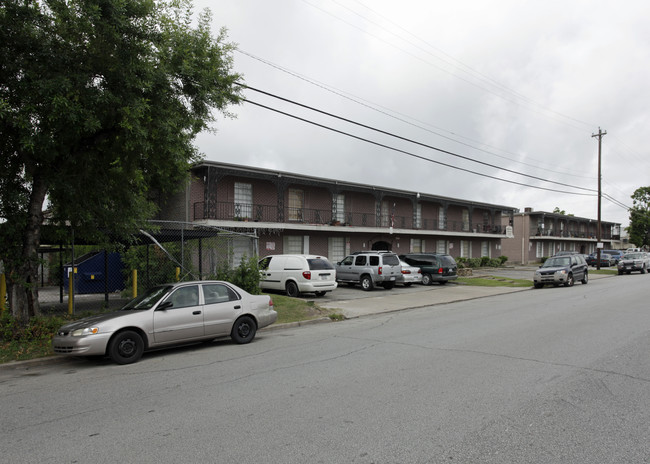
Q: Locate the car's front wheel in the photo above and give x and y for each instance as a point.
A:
(244, 330)
(388, 285)
(643, 270)
(126, 347)
(569, 281)
(538, 285)
(320, 293)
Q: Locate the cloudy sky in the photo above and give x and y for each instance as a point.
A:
(513, 91)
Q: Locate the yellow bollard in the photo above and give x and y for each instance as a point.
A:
(134, 274)
(178, 274)
(3, 293)
(71, 291)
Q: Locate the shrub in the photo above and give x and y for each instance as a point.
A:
(38, 328)
(245, 276)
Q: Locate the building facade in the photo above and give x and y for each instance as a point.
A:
(292, 213)
(539, 234)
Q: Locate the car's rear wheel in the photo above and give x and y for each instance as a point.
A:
(366, 283)
(388, 285)
(569, 281)
(585, 279)
(244, 330)
(426, 279)
(408, 284)
(292, 289)
(126, 347)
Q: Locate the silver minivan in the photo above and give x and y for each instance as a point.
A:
(296, 274)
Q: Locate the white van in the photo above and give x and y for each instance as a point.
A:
(296, 274)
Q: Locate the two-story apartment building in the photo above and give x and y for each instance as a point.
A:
(540, 234)
(293, 213)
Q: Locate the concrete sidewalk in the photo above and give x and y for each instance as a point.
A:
(387, 303)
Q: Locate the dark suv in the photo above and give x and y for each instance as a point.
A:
(435, 267)
(562, 270)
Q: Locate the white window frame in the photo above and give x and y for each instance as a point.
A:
(296, 204)
(243, 200)
(339, 200)
(336, 249)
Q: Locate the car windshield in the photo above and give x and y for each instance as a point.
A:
(148, 299)
(447, 260)
(319, 264)
(557, 262)
(633, 256)
(391, 260)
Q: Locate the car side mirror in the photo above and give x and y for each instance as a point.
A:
(165, 305)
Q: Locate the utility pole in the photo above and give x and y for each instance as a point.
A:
(599, 244)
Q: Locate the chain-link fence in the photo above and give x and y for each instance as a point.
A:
(164, 252)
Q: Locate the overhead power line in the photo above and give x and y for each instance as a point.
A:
(409, 153)
(392, 114)
(413, 141)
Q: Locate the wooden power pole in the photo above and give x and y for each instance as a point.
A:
(599, 244)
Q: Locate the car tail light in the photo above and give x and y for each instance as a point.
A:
(419, 271)
(379, 270)
(405, 271)
(441, 271)
(270, 302)
(306, 275)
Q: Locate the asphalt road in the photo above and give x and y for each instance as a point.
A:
(559, 375)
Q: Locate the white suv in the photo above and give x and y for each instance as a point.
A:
(296, 274)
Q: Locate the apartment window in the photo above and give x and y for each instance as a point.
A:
(485, 248)
(441, 246)
(296, 204)
(418, 216)
(465, 251)
(385, 214)
(417, 245)
(243, 200)
(336, 249)
(465, 220)
(442, 219)
(539, 250)
(294, 245)
(338, 199)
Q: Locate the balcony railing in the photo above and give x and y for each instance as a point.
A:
(227, 211)
(575, 234)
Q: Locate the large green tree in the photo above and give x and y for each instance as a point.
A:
(100, 103)
(639, 229)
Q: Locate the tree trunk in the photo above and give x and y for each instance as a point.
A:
(23, 281)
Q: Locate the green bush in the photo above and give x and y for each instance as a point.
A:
(245, 276)
(38, 328)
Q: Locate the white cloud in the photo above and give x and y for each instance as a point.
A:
(529, 82)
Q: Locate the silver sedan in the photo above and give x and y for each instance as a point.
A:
(168, 315)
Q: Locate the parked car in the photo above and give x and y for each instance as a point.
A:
(369, 269)
(296, 274)
(435, 267)
(615, 254)
(562, 270)
(632, 262)
(606, 260)
(410, 274)
(168, 315)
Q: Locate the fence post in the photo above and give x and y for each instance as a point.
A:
(73, 271)
(178, 274)
(3, 293)
(134, 273)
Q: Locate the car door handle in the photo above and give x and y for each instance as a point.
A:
(237, 307)
(196, 313)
